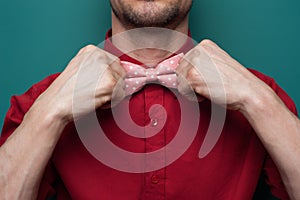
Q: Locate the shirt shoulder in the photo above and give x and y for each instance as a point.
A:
(20, 104)
(277, 89)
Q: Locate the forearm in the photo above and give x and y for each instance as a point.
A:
(25, 154)
(27, 151)
(279, 131)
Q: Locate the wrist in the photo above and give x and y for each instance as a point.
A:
(47, 113)
(259, 101)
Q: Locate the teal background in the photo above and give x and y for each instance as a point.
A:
(38, 38)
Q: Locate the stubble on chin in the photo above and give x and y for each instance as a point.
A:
(149, 14)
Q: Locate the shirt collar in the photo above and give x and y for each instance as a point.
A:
(111, 48)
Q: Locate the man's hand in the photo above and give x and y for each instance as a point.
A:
(91, 75)
(212, 73)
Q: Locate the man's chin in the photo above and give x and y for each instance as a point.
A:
(154, 13)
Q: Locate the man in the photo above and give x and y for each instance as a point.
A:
(42, 156)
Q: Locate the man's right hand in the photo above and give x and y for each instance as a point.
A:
(98, 73)
(92, 73)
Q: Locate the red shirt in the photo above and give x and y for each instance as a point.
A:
(230, 171)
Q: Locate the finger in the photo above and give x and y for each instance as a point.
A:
(189, 92)
(217, 53)
(190, 79)
(212, 46)
(186, 62)
(87, 48)
(114, 63)
(184, 88)
(117, 68)
(118, 93)
(182, 68)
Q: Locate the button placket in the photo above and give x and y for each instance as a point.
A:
(154, 181)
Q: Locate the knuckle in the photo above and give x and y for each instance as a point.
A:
(85, 49)
(102, 56)
(193, 57)
(105, 99)
(89, 47)
(195, 60)
(195, 53)
(191, 74)
(207, 42)
(198, 90)
(111, 83)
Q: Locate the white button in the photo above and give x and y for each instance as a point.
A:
(154, 122)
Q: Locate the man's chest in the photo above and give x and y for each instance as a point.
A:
(236, 158)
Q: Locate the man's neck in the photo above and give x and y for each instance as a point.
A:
(148, 45)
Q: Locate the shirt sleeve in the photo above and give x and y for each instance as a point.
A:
(19, 105)
(271, 172)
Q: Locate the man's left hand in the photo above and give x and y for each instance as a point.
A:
(212, 73)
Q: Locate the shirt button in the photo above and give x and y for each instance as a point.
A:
(154, 122)
(155, 179)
